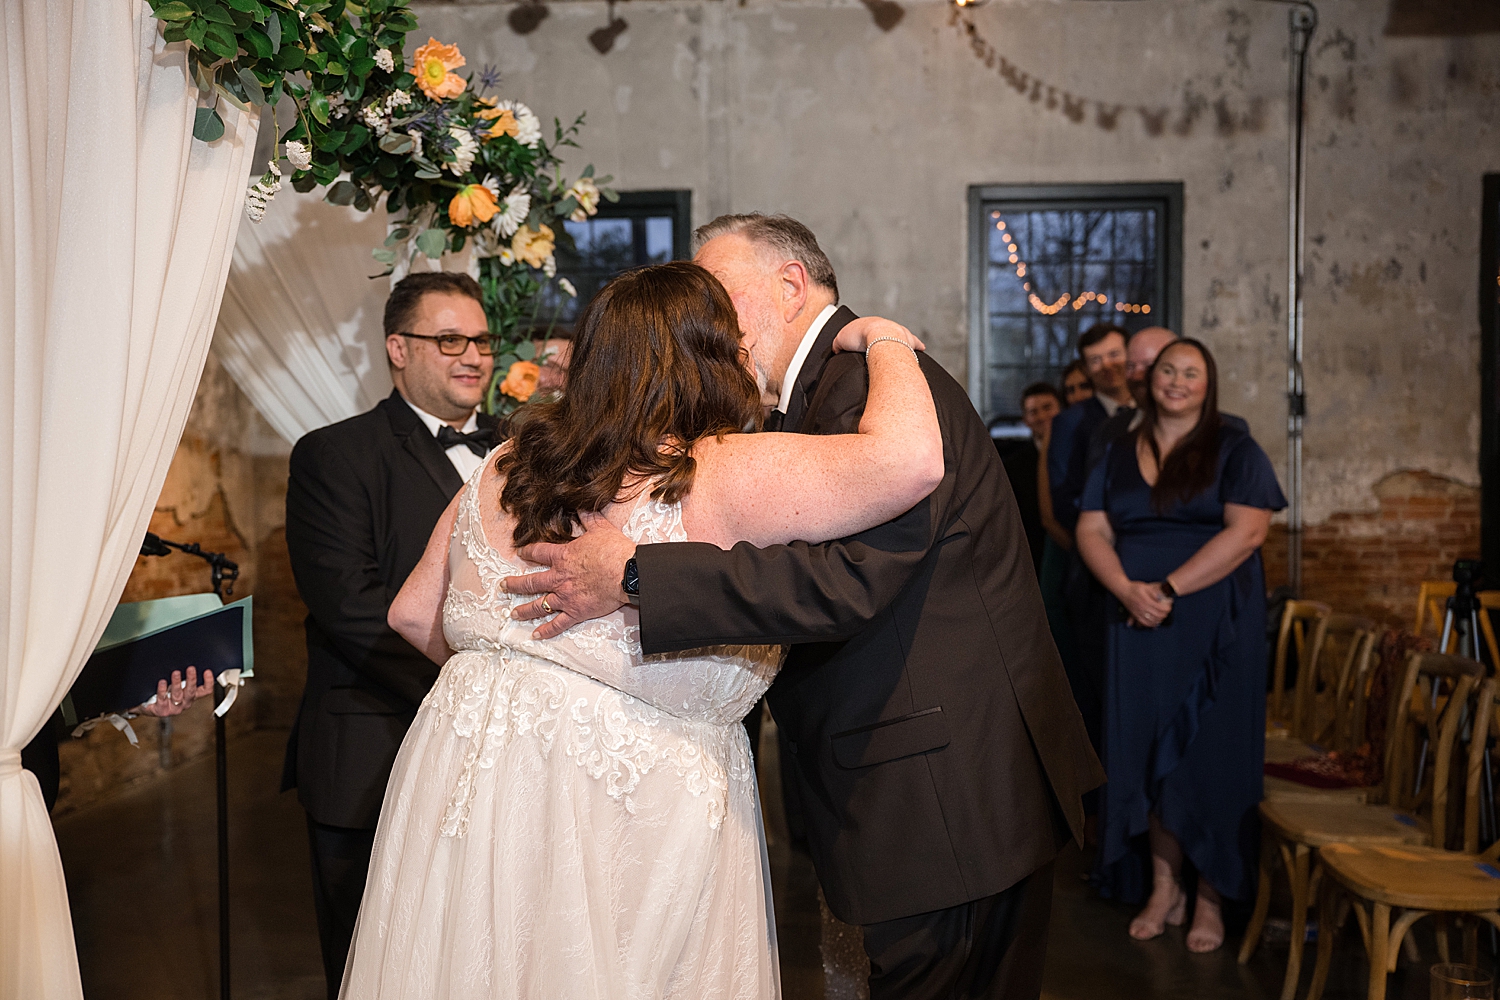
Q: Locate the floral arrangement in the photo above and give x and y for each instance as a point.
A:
(455, 166)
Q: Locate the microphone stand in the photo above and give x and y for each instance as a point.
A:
(225, 572)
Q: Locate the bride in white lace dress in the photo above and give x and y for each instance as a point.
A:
(567, 818)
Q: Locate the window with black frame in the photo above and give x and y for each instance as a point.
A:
(1046, 263)
(643, 227)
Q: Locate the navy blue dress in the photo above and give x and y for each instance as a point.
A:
(1184, 709)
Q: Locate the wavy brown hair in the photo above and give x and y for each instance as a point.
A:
(656, 365)
(1193, 463)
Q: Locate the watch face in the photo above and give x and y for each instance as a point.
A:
(632, 582)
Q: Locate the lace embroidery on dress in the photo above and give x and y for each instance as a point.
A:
(677, 710)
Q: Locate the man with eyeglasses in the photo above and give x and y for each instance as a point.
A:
(362, 500)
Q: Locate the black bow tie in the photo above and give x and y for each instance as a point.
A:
(479, 442)
(773, 421)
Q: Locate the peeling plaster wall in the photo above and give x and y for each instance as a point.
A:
(874, 137)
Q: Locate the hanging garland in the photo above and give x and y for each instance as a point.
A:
(454, 165)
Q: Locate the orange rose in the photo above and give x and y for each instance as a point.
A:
(533, 246)
(505, 123)
(433, 65)
(520, 381)
(473, 201)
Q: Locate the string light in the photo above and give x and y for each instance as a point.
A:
(1036, 301)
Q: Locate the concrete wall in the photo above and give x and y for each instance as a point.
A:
(873, 138)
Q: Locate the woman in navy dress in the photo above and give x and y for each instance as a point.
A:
(1172, 524)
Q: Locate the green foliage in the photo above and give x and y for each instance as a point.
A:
(364, 130)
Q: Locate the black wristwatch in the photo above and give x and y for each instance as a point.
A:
(632, 582)
(1165, 585)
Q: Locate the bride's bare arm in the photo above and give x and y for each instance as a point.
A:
(417, 612)
(768, 489)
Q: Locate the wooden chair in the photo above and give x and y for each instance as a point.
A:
(1299, 618)
(1337, 641)
(1431, 596)
(1421, 880)
(1295, 829)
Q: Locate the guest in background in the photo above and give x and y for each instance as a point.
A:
(362, 500)
(1075, 383)
(1101, 350)
(1040, 402)
(1172, 523)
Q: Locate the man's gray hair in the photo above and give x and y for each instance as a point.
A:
(782, 235)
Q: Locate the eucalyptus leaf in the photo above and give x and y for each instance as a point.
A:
(395, 143)
(383, 255)
(341, 193)
(526, 350)
(275, 97)
(431, 242)
(304, 182)
(610, 196)
(256, 43)
(175, 10)
(458, 241)
(588, 171)
(428, 174)
(358, 136)
(252, 86)
(207, 125)
(273, 32)
(318, 105)
(231, 98)
(504, 361)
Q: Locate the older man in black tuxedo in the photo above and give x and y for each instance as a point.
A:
(939, 759)
(362, 501)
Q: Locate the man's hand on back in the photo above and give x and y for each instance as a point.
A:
(583, 580)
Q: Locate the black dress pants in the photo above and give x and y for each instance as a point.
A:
(340, 862)
(989, 948)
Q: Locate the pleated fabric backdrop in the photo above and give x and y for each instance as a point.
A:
(116, 230)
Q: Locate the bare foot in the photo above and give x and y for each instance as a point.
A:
(1207, 933)
(1167, 905)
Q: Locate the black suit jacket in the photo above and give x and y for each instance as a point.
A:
(939, 755)
(362, 501)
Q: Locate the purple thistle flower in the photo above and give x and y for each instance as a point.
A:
(489, 77)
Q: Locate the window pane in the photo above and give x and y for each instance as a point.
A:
(1054, 271)
(625, 234)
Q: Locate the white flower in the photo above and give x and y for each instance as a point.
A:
(586, 193)
(567, 286)
(530, 126)
(384, 61)
(262, 191)
(398, 99)
(298, 155)
(463, 153)
(416, 142)
(513, 212)
(507, 257)
(550, 268)
(375, 118)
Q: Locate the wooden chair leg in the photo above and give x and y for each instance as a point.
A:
(1262, 897)
(1327, 922)
(1440, 925)
(1301, 859)
(1380, 936)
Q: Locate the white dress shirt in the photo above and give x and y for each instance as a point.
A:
(803, 350)
(463, 459)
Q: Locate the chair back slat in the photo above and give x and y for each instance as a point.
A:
(1322, 689)
(1352, 697)
(1297, 620)
(1430, 597)
(1439, 689)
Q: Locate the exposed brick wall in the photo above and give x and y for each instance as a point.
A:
(1372, 562)
(226, 500)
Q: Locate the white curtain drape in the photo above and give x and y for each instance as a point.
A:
(300, 330)
(116, 229)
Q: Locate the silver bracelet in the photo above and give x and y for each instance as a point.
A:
(894, 340)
